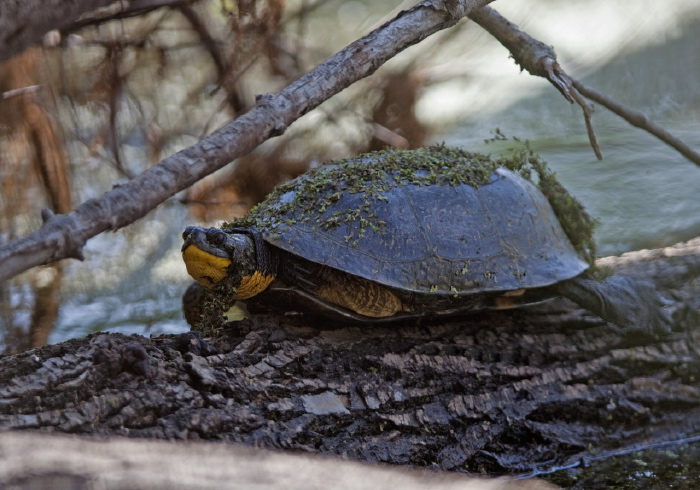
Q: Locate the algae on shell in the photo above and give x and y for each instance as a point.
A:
(373, 174)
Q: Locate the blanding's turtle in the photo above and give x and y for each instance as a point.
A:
(397, 234)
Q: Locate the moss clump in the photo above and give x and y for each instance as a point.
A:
(372, 174)
(576, 222)
(204, 309)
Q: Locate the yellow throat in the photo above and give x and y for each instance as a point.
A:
(208, 270)
(254, 284)
(205, 268)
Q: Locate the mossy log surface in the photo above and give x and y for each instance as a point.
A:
(520, 391)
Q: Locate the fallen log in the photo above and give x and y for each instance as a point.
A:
(41, 461)
(504, 392)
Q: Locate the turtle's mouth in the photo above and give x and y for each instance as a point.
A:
(206, 262)
(211, 255)
(207, 269)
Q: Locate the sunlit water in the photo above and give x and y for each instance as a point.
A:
(643, 193)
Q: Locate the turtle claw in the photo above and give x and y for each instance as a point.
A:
(634, 306)
(639, 306)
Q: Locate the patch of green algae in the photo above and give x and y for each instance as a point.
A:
(373, 174)
(578, 225)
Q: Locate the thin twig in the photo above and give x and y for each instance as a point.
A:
(540, 60)
(587, 116)
(20, 91)
(205, 36)
(636, 118)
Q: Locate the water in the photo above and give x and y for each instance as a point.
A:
(643, 193)
(131, 281)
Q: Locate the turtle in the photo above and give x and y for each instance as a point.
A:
(397, 234)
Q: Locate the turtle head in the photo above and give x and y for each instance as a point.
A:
(238, 258)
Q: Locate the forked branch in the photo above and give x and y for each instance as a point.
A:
(540, 60)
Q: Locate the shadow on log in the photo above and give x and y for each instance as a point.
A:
(517, 392)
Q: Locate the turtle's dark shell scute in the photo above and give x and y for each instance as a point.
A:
(437, 221)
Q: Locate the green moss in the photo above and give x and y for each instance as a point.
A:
(372, 174)
(578, 225)
(214, 304)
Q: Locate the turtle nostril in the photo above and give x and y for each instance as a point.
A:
(216, 237)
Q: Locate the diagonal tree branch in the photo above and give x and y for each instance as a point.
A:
(63, 236)
(540, 60)
(532, 55)
(24, 23)
(124, 10)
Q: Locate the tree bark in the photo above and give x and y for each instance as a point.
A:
(520, 391)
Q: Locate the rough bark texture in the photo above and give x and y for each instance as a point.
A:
(518, 392)
(64, 236)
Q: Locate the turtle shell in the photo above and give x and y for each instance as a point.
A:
(417, 228)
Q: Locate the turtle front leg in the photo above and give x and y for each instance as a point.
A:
(629, 304)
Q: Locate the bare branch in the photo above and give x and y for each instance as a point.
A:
(63, 236)
(537, 58)
(639, 120)
(540, 60)
(532, 55)
(24, 23)
(124, 463)
(121, 10)
(20, 91)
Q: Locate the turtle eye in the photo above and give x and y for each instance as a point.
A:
(216, 237)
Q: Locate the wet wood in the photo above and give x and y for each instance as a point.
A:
(520, 391)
